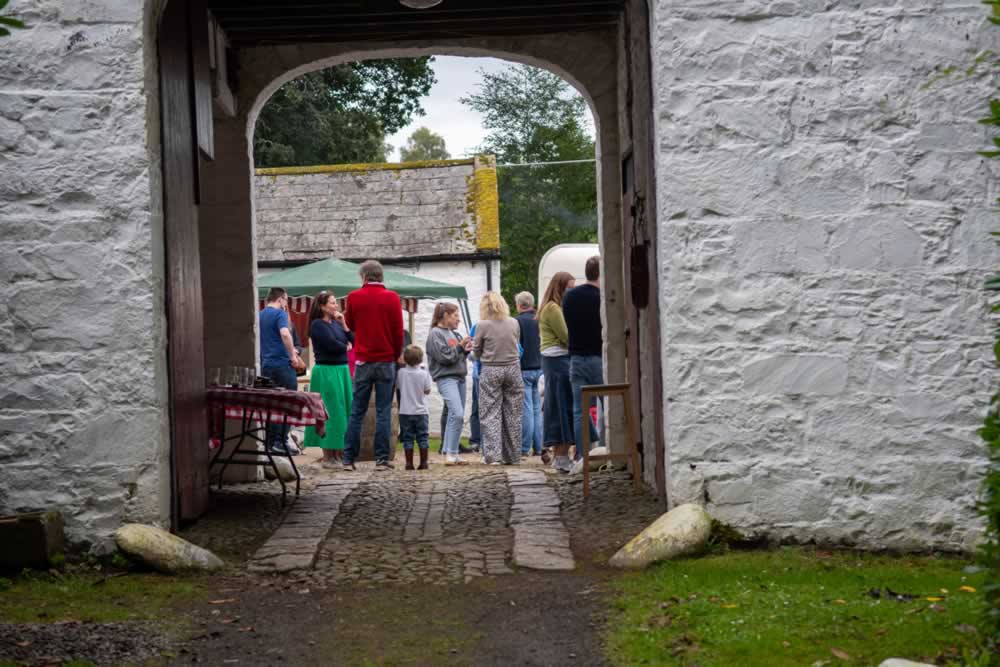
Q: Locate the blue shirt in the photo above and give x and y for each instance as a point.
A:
(272, 348)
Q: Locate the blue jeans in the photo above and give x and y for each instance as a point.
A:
(452, 390)
(584, 370)
(284, 377)
(475, 438)
(413, 428)
(380, 376)
(531, 422)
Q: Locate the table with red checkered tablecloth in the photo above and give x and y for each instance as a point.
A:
(256, 409)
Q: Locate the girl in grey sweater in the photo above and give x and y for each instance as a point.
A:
(446, 354)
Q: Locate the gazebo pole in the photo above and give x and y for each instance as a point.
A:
(412, 321)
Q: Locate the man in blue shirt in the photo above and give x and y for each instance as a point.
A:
(278, 360)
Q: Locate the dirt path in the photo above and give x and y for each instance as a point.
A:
(526, 619)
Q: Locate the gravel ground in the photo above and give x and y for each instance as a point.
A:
(100, 643)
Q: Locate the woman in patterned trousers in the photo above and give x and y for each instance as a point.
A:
(501, 388)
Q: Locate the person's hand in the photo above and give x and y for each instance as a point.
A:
(298, 364)
(467, 344)
(339, 318)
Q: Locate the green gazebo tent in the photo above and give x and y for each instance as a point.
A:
(342, 277)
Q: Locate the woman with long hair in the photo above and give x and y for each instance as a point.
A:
(446, 352)
(557, 407)
(330, 377)
(501, 387)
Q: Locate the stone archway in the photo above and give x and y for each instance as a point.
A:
(588, 61)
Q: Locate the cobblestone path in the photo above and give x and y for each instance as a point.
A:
(449, 525)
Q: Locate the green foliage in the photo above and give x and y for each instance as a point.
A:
(990, 432)
(424, 145)
(795, 607)
(341, 114)
(534, 116)
(7, 22)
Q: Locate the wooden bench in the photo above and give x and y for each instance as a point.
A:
(589, 392)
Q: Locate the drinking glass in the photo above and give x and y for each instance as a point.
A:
(212, 376)
(247, 375)
(232, 376)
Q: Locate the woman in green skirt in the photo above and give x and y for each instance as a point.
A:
(330, 376)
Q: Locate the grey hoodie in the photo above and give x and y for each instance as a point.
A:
(444, 360)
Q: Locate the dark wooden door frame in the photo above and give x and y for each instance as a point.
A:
(639, 208)
(185, 332)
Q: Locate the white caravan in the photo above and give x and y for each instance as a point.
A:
(569, 257)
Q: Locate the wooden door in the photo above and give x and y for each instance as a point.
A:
(185, 330)
(640, 237)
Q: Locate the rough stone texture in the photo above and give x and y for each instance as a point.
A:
(295, 544)
(367, 212)
(83, 407)
(682, 531)
(162, 551)
(541, 541)
(824, 223)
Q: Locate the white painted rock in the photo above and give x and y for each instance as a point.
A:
(163, 551)
(681, 531)
(594, 465)
(284, 468)
(900, 662)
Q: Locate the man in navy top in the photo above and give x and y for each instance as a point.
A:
(278, 359)
(582, 311)
(531, 372)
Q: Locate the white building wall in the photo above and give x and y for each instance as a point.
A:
(824, 227)
(83, 403)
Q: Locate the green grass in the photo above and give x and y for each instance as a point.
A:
(34, 598)
(793, 607)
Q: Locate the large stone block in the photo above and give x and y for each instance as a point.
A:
(31, 540)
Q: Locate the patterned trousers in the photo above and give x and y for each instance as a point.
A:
(501, 404)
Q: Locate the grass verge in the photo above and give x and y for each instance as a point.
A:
(795, 606)
(82, 596)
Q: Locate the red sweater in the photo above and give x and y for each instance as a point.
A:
(375, 315)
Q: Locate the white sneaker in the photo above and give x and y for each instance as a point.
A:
(452, 460)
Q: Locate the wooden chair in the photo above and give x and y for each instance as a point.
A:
(632, 453)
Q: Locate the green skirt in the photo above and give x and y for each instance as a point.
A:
(333, 383)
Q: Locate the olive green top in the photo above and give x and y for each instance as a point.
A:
(552, 326)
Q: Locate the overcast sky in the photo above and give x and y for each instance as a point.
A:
(457, 123)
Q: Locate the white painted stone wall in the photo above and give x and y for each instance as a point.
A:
(83, 408)
(824, 230)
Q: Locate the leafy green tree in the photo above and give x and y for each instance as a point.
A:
(533, 116)
(341, 114)
(424, 145)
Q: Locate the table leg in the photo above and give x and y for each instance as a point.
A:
(270, 458)
(585, 425)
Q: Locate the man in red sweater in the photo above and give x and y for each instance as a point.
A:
(375, 315)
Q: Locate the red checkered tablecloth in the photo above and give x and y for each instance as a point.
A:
(301, 408)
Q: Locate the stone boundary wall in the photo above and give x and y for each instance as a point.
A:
(83, 403)
(437, 207)
(824, 225)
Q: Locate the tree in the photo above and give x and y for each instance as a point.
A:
(7, 22)
(424, 145)
(341, 114)
(533, 116)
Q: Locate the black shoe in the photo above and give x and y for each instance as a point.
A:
(462, 449)
(384, 465)
(349, 466)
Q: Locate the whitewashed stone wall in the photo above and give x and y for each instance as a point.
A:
(824, 230)
(366, 212)
(83, 412)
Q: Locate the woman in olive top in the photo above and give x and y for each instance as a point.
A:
(557, 408)
(501, 387)
(330, 377)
